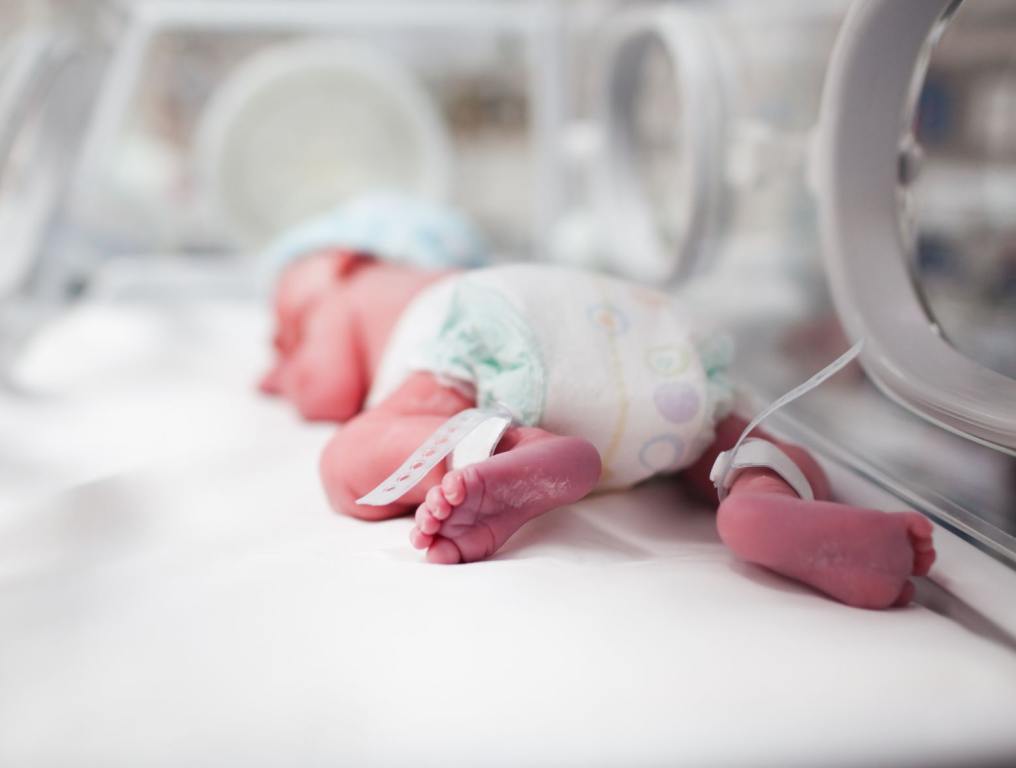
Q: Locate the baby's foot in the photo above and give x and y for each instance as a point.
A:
(861, 557)
(472, 512)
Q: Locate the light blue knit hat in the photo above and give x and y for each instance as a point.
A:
(390, 226)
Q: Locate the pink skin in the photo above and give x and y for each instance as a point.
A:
(861, 557)
(334, 312)
(300, 288)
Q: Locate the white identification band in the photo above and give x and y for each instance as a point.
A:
(470, 436)
(755, 452)
(729, 463)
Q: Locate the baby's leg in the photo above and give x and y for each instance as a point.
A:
(861, 557)
(465, 514)
(369, 447)
(476, 509)
(365, 451)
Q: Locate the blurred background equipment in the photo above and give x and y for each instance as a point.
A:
(204, 129)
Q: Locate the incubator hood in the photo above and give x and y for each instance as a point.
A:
(175, 590)
(678, 143)
(741, 141)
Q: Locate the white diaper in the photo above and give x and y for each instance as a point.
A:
(414, 333)
(575, 353)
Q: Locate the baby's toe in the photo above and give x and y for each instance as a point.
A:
(436, 502)
(905, 596)
(419, 539)
(443, 552)
(923, 562)
(425, 521)
(920, 530)
(453, 486)
(919, 527)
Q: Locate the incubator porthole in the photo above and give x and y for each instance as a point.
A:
(958, 181)
(26, 190)
(875, 177)
(661, 179)
(15, 227)
(301, 126)
(657, 137)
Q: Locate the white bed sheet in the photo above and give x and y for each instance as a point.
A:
(174, 591)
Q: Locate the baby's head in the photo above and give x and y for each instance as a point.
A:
(406, 235)
(300, 288)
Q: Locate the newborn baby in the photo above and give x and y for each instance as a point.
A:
(607, 385)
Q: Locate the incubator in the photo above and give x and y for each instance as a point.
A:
(813, 174)
(740, 145)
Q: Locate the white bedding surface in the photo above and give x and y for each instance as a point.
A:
(174, 591)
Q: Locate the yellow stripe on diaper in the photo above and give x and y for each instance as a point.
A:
(612, 321)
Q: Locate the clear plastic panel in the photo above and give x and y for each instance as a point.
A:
(761, 272)
(658, 143)
(939, 429)
(961, 202)
(124, 148)
(53, 58)
(223, 120)
(708, 112)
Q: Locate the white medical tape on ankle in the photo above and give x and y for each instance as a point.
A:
(729, 463)
(470, 436)
(755, 452)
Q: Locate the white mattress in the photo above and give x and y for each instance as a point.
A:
(174, 591)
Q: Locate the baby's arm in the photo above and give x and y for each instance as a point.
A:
(862, 557)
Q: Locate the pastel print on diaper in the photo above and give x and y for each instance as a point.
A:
(668, 360)
(609, 318)
(648, 297)
(662, 453)
(677, 401)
